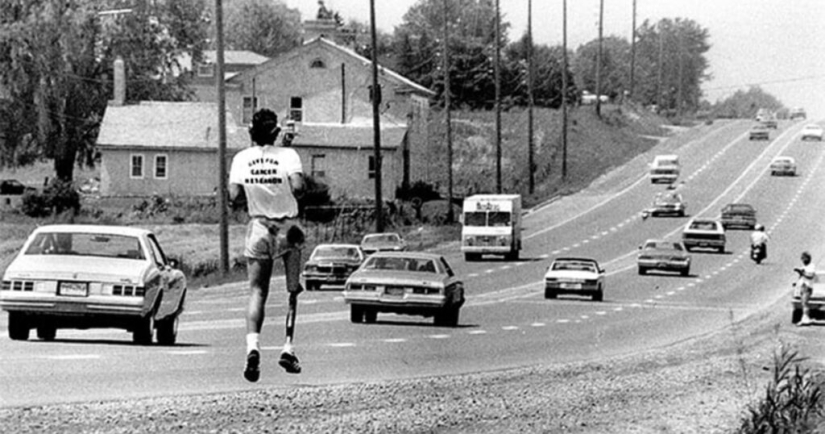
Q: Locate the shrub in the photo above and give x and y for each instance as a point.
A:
(419, 189)
(59, 196)
(792, 402)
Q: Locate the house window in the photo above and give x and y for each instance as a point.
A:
(317, 63)
(296, 109)
(206, 70)
(371, 167)
(317, 168)
(136, 170)
(250, 104)
(160, 166)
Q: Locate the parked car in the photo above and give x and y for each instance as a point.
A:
(812, 132)
(88, 276)
(409, 283)
(759, 132)
(669, 203)
(704, 233)
(13, 187)
(663, 255)
(739, 215)
(387, 242)
(783, 166)
(798, 113)
(579, 276)
(331, 264)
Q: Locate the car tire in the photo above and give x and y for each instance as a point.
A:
(685, 272)
(796, 316)
(370, 316)
(642, 271)
(144, 329)
(356, 314)
(168, 331)
(46, 332)
(472, 257)
(447, 317)
(549, 293)
(598, 295)
(512, 256)
(18, 327)
(312, 286)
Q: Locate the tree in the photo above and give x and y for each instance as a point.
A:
(266, 27)
(547, 77)
(56, 62)
(418, 41)
(614, 68)
(745, 104)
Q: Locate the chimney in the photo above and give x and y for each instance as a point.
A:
(120, 83)
(325, 27)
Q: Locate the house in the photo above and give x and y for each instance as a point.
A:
(324, 89)
(203, 73)
(165, 148)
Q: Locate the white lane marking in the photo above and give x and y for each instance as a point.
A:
(341, 344)
(601, 312)
(563, 321)
(73, 357)
(439, 336)
(187, 352)
(538, 324)
(510, 328)
(477, 332)
(395, 340)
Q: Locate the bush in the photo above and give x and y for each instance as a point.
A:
(419, 189)
(59, 196)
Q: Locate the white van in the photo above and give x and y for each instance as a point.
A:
(665, 168)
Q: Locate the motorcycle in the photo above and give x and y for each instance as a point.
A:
(758, 253)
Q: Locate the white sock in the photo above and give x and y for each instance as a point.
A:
(287, 348)
(252, 342)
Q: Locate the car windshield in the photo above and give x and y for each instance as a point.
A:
(492, 218)
(382, 238)
(335, 252)
(740, 208)
(663, 245)
(86, 244)
(575, 266)
(421, 265)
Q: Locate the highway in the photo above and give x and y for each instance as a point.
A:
(506, 321)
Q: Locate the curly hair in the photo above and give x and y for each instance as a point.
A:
(264, 129)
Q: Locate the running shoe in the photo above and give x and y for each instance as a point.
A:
(252, 371)
(290, 363)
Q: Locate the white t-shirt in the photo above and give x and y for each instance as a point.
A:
(264, 173)
(808, 276)
(759, 237)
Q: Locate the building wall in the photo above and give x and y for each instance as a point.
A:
(347, 174)
(193, 173)
(189, 173)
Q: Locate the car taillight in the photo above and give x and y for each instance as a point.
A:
(18, 285)
(128, 290)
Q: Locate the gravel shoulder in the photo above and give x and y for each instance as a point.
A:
(703, 385)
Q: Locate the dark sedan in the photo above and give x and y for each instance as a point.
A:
(663, 256)
(331, 264)
(738, 215)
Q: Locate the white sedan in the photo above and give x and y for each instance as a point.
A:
(580, 276)
(783, 166)
(88, 276)
(812, 132)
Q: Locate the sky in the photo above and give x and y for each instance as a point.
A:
(778, 45)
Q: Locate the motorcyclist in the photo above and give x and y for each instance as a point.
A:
(760, 238)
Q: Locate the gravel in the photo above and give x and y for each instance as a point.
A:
(699, 386)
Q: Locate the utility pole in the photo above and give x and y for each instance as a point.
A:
(680, 99)
(599, 62)
(447, 103)
(222, 188)
(498, 98)
(633, 54)
(564, 93)
(376, 124)
(530, 146)
(661, 66)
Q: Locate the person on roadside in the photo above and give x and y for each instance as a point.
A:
(807, 274)
(270, 178)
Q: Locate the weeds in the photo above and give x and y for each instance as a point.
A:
(792, 401)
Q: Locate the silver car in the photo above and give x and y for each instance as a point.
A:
(87, 276)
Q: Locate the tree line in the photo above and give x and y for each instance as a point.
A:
(56, 60)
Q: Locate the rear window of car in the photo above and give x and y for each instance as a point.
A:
(705, 226)
(663, 245)
(335, 252)
(384, 238)
(86, 244)
(574, 266)
(421, 265)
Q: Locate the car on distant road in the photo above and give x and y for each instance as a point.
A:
(665, 168)
(408, 283)
(331, 264)
(663, 255)
(13, 187)
(798, 113)
(704, 233)
(384, 242)
(89, 276)
(770, 122)
(738, 215)
(759, 132)
(812, 132)
(668, 203)
(783, 166)
(578, 276)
